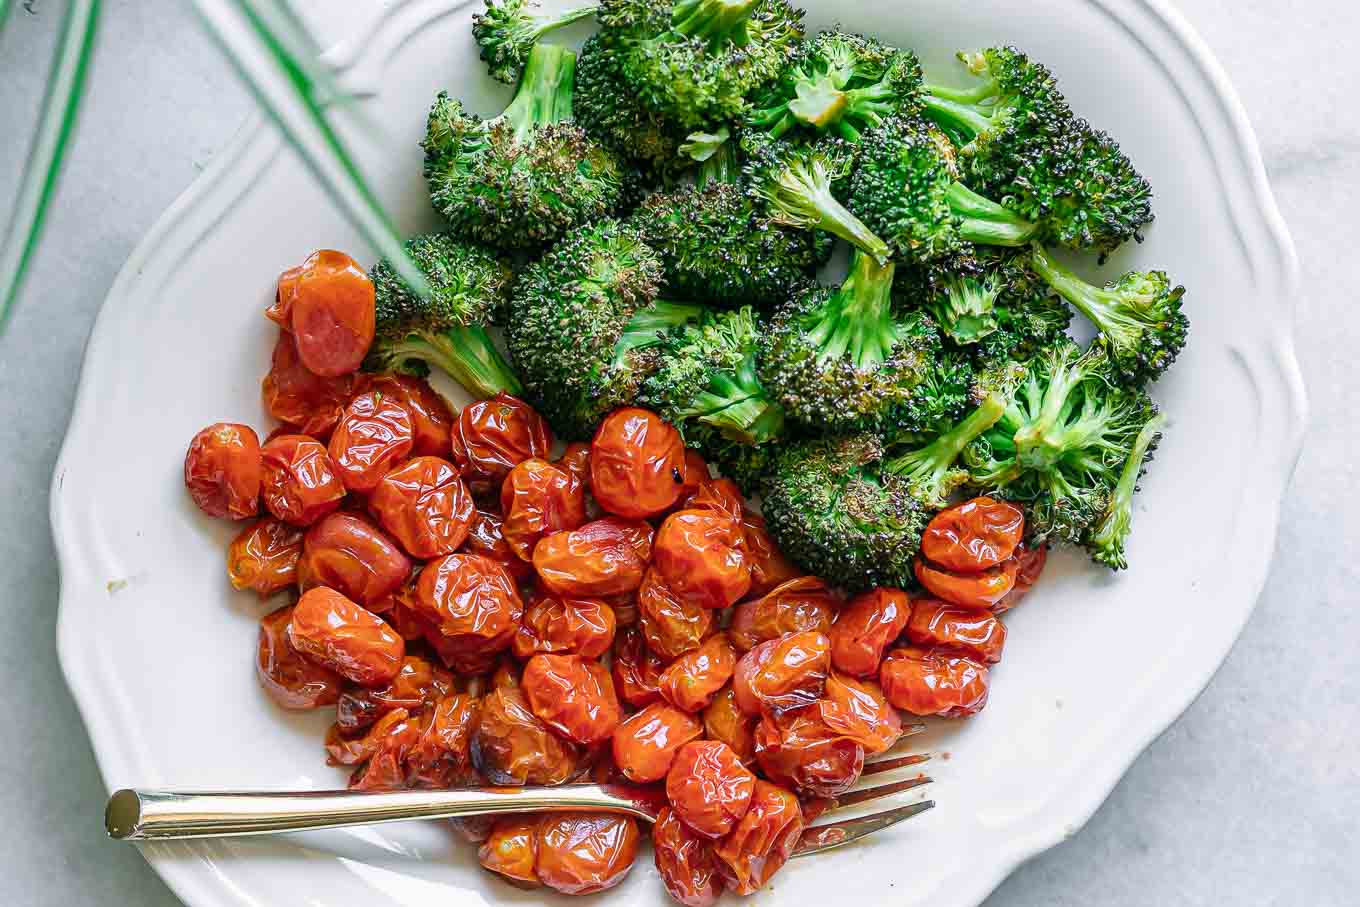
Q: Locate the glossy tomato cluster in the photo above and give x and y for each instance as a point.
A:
(477, 610)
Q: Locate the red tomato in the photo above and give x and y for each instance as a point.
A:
(346, 749)
(801, 604)
(1029, 565)
(353, 556)
(573, 696)
(696, 476)
(971, 630)
(471, 600)
(576, 460)
(539, 499)
(512, 849)
(290, 680)
(333, 316)
(708, 787)
(582, 853)
(974, 590)
(418, 684)
(595, 561)
(769, 568)
(798, 750)
(578, 626)
(374, 435)
(297, 397)
(783, 673)
(222, 471)
(763, 839)
(431, 418)
(300, 484)
(725, 721)
(637, 533)
(645, 744)
(671, 625)
(693, 679)
(512, 746)
(700, 555)
(637, 670)
(859, 710)
(493, 436)
(637, 464)
(866, 628)
(340, 635)
(686, 862)
(486, 537)
(440, 758)
(934, 682)
(719, 495)
(281, 311)
(974, 535)
(264, 557)
(425, 506)
(385, 769)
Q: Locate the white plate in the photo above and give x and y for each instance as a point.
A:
(158, 651)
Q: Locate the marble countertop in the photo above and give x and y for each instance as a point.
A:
(1253, 797)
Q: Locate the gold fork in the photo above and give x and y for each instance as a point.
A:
(151, 815)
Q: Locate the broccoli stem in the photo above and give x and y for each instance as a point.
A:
(467, 354)
(962, 121)
(800, 196)
(1099, 304)
(737, 406)
(542, 25)
(714, 21)
(966, 310)
(545, 89)
(928, 467)
(818, 103)
(985, 222)
(856, 321)
(1046, 438)
(1108, 538)
(650, 324)
(716, 156)
(983, 91)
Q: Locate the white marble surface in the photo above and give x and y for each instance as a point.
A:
(1253, 797)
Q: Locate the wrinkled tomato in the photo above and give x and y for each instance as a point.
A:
(700, 555)
(686, 862)
(696, 476)
(859, 710)
(578, 626)
(493, 436)
(725, 721)
(511, 850)
(425, 506)
(280, 310)
(975, 632)
(290, 680)
(719, 495)
(974, 535)
(645, 744)
(332, 317)
(512, 746)
(762, 841)
(222, 471)
(637, 464)
(576, 460)
(637, 669)
(671, 625)
(538, 499)
(472, 601)
(973, 590)
(769, 568)
(352, 556)
(352, 749)
(595, 561)
(693, 679)
(638, 534)
(486, 537)
(573, 696)
(440, 758)
(374, 435)
(798, 750)
(299, 482)
(801, 604)
(431, 418)
(340, 635)
(264, 557)
(865, 629)
(293, 395)
(934, 682)
(1029, 563)
(582, 853)
(708, 787)
(418, 684)
(782, 673)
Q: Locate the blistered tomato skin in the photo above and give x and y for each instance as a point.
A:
(425, 506)
(431, 418)
(864, 630)
(417, 685)
(798, 605)
(1029, 566)
(709, 788)
(471, 600)
(637, 464)
(971, 630)
(859, 710)
(385, 769)
(700, 555)
(344, 637)
(222, 471)
(719, 495)
(974, 535)
(440, 758)
(638, 534)
(555, 625)
(486, 536)
(264, 557)
(671, 625)
(934, 682)
(354, 557)
(299, 482)
(281, 310)
(644, 744)
(686, 862)
(374, 435)
(576, 460)
(693, 679)
(512, 746)
(769, 568)
(573, 696)
(512, 850)
(582, 853)
(782, 674)
(798, 750)
(636, 669)
(345, 749)
(290, 680)
(539, 499)
(724, 721)
(593, 561)
(762, 841)
(493, 436)
(973, 590)
(332, 313)
(297, 397)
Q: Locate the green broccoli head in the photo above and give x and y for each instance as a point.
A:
(608, 107)
(526, 177)
(835, 511)
(1142, 327)
(469, 289)
(508, 29)
(932, 471)
(842, 83)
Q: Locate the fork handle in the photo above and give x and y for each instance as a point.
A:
(153, 815)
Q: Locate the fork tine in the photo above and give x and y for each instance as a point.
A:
(825, 837)
(883, 790)
(890, 765)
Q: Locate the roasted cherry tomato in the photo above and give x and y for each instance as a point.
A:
(762, 841)
(685, 860)
(353, 556)
(222, 471)
(385, 769)
(486, 537)
(493, 436)
(374, 435)
(472, 601)
(700, 555)
(290, 680)
(440, 757)
(645, 743)
(724, 721)
(796, 606)
(554, 625)
(512, 746)
(281, 310)
(973, 590)
(297, 397)
(539, 499)
(505, 674)
(576, 460)
(582, 853)
(637, 533)
(857, 709)
(418, 684)
(637, 669)
(352, 749)
(696, 476)
(671, 625)
(425, 506)
(431, 418)
(971, 630)
(401, 609)
(769, 568)
(512, 849)
(693, 679)
(719, 495)
(264, 557)
(934, 682)
(333, 313)
(572, 695)
(708, 787)
(473, 829)
(637, 463)
(595, 561)
(1029, 565)
(338, 634)
(796, 749)
(783, 673)
(300, 484)
(865, 629)
(974, 535)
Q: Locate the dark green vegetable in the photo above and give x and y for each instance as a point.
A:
(1107, 539)
(508, 29)
(609, 108)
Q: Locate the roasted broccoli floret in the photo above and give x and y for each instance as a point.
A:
(695, 61)
(585, 325)
(469, 286)
(508, 29)
(931, 471)
(1061, 444)
(1020, 141)
(526, 177)
(1139, 316)
(841, 83)
(795, 182)
(608, 107)
(1106, 541)
(718, 245)
(835, 511)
